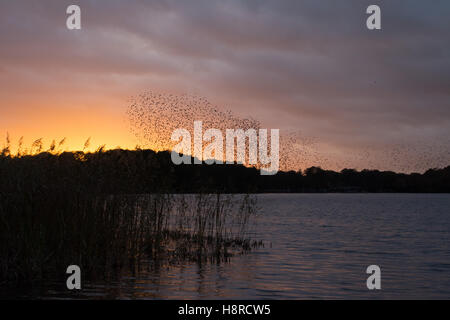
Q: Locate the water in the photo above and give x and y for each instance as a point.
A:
(318, 246)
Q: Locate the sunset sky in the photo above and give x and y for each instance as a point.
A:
(368, 99)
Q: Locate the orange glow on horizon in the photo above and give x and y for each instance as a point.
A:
(104, 126)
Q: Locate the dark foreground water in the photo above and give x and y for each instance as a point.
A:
(317, 246)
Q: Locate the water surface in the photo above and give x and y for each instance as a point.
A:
(318, 246)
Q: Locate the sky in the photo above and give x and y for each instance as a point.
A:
(377, 99)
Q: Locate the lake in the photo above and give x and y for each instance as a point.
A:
(317, 246)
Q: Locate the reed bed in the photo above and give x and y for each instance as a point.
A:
(99, 211)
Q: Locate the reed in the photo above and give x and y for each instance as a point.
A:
(98, 211)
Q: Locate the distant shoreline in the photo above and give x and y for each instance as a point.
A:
(146, 171)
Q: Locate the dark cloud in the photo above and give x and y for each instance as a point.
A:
(307, 65)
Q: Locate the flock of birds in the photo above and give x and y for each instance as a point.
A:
(154, 116)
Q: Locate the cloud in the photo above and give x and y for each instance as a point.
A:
(295, 64)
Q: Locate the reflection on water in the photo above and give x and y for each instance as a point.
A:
(317, 246)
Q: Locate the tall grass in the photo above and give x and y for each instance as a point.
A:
(100, 211)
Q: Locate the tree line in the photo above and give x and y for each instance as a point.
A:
(145, 171)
